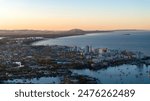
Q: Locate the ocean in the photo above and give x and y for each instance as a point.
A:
(122, 40)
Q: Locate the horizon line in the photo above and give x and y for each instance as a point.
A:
(73, 29)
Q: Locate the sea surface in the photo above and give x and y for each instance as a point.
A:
(122, 40)
(125, 74)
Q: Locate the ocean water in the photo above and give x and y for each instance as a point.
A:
(124, 40)
(129, 40)
(124, 74)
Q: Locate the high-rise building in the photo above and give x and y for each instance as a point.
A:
(88, 49)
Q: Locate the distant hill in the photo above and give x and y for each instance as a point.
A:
(44, 33)
(77, 31)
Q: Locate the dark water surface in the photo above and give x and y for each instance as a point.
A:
(129, 40)
(125, 74)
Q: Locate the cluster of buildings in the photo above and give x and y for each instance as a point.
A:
(16, 53)
(104, 54)
(18, 59)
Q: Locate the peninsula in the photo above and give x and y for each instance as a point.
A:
(46, 33)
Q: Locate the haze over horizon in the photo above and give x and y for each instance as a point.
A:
(70, 14)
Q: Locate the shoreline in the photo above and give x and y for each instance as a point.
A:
(45, 34)
(20, 60)
(53, 34)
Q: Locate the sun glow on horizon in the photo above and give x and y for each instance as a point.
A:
(70, 14)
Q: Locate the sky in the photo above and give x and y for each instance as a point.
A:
(70, 14)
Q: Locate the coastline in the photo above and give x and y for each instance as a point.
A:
(53, 34)
(45, 34)
(21, 60)
(39, 35)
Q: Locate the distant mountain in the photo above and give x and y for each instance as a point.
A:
(45, 33)
(80, 31)
(77, 31)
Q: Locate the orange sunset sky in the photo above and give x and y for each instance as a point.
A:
(70, 14)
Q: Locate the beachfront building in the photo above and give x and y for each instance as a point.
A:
(88, 49)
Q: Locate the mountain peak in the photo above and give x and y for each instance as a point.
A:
(76, 30)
